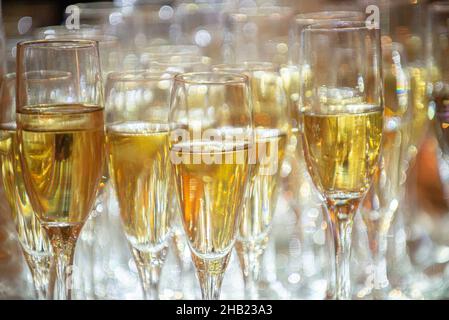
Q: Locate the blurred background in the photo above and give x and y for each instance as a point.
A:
(298, 262)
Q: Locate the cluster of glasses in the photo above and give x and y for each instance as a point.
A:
(198, 131)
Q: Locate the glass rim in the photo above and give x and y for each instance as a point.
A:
(100, 38)
(245, 66)
(234, 78)
(338, 26)
(310, 17)
(143, 75)
(60, 27)
(65, 75)
(54, 75)
(48, 44)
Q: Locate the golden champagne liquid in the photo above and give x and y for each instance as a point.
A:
(259, 206)
(62, 155)
(7, 141)
(29, 230)
(342, 149)
(419, 104)
(211, 195)
(140, 167)
(385, 192)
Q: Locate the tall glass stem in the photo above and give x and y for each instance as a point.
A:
(149, 264)
(95, 252)
(187, 279)
(377, 230)
(342, 216)
(250, 255)
(380, 267)
(63, 240)
(210, 274)
(40, 267)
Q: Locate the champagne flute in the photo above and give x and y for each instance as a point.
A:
(61, 142)
(97, 236)
(382, 201)
(137, 136)
(298, 186)
(211, 135)
(342, 120)
(180, 63)
(271, 126)
(35, 245)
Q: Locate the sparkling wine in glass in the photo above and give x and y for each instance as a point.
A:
(272, 128)
(342, 120)
(211, 138)
(32, 237)
(137, 105)
(61, 142)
